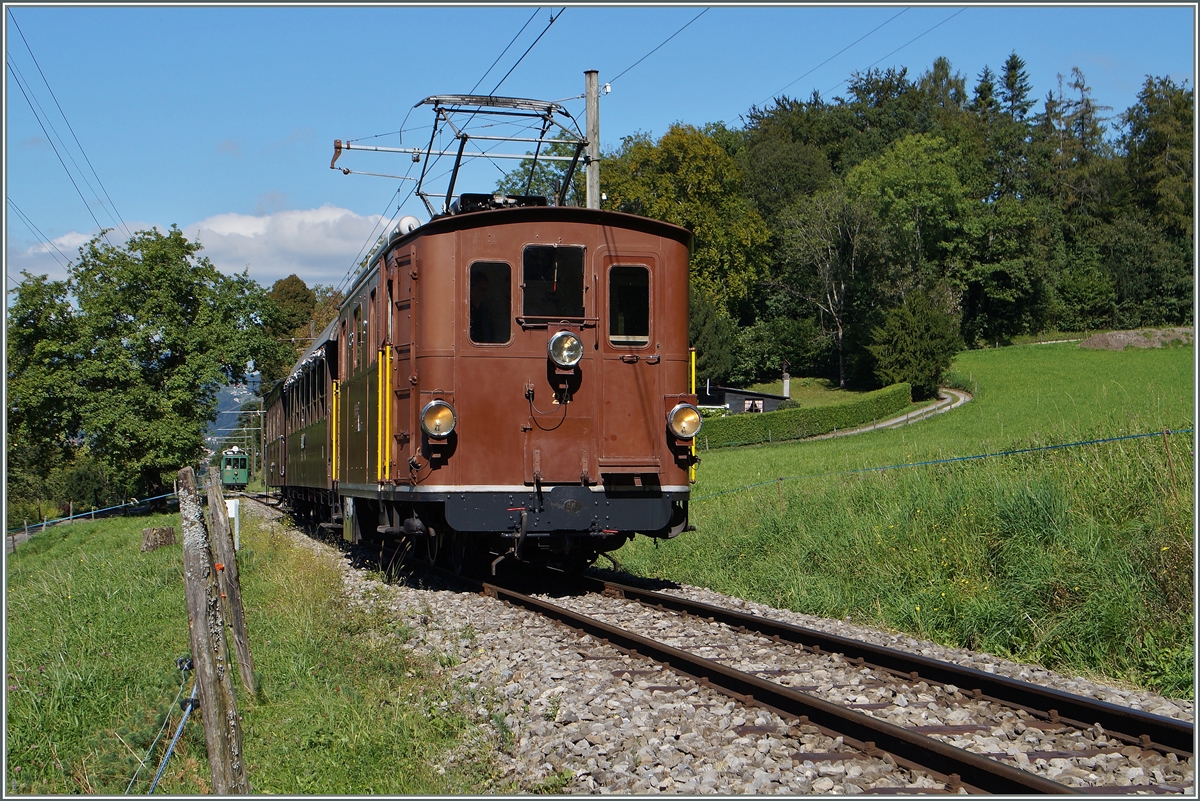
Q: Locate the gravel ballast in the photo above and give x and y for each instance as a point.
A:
(566, 713)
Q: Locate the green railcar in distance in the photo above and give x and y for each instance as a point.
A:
(235, 468)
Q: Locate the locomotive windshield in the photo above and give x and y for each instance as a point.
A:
(553, 281)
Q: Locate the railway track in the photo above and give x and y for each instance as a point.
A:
(864, 706)
(1081, 728)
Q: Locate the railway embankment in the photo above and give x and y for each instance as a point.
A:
(566, 712)
(1050, 518)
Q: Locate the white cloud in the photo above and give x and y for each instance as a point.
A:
(319, 245)
(69, 243)
(24, 252)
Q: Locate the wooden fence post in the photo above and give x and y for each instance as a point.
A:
(210, 657)
(227, 577)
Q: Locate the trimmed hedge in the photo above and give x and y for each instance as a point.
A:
(798, 423)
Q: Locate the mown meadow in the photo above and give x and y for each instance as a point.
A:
(1077, 558)
(94, 628)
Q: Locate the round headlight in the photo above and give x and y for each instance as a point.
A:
(438, 419)
(566, 349)
(684, 421)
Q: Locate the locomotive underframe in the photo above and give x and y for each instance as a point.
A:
(555, 521)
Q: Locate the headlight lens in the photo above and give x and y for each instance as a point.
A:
(684, 421)
(438, 419)
(566, 349)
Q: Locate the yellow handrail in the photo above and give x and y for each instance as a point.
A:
(379, 421)
(387, 398)
(337, 388)
(692, 391)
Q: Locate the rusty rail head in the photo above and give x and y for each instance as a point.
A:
(1166, 734)
(910, 749)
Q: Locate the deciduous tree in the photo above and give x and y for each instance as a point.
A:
(141, 337)
(689, 179)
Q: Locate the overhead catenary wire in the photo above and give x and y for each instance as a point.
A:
(20, 85)
(901, 47)
(43, 116)
(553, 18)
(655, 50)
(353, 269)
(348, 277)
(78, 144)
(835, 55)
(53, 129)
(505, 50)
(402, 129)
(37, 232)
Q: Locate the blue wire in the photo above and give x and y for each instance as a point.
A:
(943, 461)
(93, 511)
(175, 739)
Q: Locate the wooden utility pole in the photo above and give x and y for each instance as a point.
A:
(592, 112)
(227, 580)
(210, 656)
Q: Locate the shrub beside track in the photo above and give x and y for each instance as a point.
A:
(811, 421)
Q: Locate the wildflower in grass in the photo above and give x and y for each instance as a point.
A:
(918, 609)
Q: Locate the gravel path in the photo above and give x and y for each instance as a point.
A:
(568, 714)
(947, 399)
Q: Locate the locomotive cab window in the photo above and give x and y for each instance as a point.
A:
(553, 281)
(491, 302)
(629, 305)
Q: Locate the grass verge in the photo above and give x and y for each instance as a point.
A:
(94, 628)
(1080, 559)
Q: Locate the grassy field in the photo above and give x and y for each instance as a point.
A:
(1077, 558)
(94, 628)
(807, 391)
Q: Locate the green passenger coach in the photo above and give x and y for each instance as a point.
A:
(235, 468)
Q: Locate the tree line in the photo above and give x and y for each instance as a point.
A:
(869, 237)
(113, 373)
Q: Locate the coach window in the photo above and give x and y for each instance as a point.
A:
(354, 349)
(553, 282)
(491, 302)
(343, 356)
(629, 305)
(364, 342)
(374, 329)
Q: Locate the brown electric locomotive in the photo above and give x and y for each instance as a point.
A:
(508, 379)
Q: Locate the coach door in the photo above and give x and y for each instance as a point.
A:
(632, 413)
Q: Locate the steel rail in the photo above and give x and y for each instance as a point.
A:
(1135, 726)
(870, 735)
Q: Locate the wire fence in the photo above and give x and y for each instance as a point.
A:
(947, 460)
(41, 524)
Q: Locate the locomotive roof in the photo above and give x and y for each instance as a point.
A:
(327, 335)
(521, 214)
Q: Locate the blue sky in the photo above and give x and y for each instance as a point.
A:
(222, 119)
